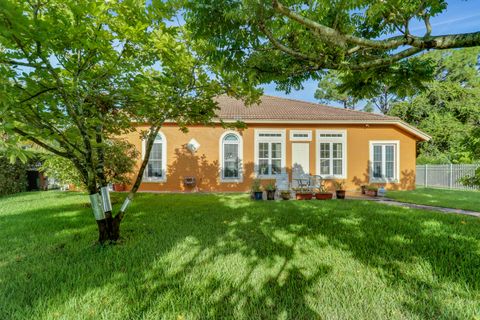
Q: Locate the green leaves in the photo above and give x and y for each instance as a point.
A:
(289, 41)
(75, 74)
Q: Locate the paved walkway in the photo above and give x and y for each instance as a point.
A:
(391, 202)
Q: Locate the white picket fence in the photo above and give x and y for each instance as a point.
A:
(444, 175)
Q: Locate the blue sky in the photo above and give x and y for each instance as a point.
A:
(460, 16)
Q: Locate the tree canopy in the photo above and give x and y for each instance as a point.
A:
(75, 75)
(289, 41)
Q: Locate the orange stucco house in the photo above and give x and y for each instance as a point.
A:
(282, 136)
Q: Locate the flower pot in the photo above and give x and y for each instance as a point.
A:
(323, 196)
(258, 195)
(270, 194)
(303, 196)
(118, 187)
(371, 193)
(285, 195)
(340, 194)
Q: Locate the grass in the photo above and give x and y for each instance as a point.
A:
(457, 199)
(223, 256)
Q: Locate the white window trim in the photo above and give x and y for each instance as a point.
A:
(343, 140)
(164, 160)
(281, 139)
(240, 157)
(397, 162)
(293, 132)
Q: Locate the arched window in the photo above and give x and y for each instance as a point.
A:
(231, 157)
(155, 170)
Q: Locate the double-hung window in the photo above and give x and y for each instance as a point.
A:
(231, 157)
(331, 154)
(155, 170)
(269, 152)
(384, 161)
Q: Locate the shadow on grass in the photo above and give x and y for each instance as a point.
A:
(218, 256)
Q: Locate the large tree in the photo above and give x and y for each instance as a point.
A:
(74, 75)
(288, 41)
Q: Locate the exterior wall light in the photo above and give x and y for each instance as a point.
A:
(193, 145)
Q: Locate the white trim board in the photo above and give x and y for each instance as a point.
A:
(405, 126)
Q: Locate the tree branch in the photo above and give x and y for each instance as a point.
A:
(385, 61)
(42, 144)
(339, 39)
(37, 94)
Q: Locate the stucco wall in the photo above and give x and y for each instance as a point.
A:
(204, 164)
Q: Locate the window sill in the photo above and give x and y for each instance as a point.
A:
(333, 177)
(154, 180)
(233, 180)
(380, 180)
(267, 177)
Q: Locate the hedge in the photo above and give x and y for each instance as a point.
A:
(13, 177)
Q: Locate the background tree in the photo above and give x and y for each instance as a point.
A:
(378, 88)
(292, 41)
(448, 108)
(329, 91)
(74, 75)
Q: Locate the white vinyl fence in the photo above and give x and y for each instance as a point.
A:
(444, 175)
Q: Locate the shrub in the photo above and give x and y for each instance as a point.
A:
(120, 158)
(13, 176)
(472, 181)
(256, 186)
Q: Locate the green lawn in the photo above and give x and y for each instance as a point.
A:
(224, 256)
(467, 200)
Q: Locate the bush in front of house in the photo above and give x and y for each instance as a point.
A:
(13, 176)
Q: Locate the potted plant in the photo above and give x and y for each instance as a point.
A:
(322, 193)
(118, 187)
(270, 188)
(285, 194)
(257, 190)
(303, 194)
(371, 191)
(340, 189)
(363, 188)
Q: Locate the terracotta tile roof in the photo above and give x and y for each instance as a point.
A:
(282, 109)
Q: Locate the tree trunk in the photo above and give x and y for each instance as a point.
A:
(109, 225)
(138, 180)
(97, 209)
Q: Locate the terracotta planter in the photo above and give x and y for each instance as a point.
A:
(303, 196)
(118, 187)
(371, 193)
(323, 196)
(340, 194)
(270, 194)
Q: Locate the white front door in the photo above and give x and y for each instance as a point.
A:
(300, 159)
